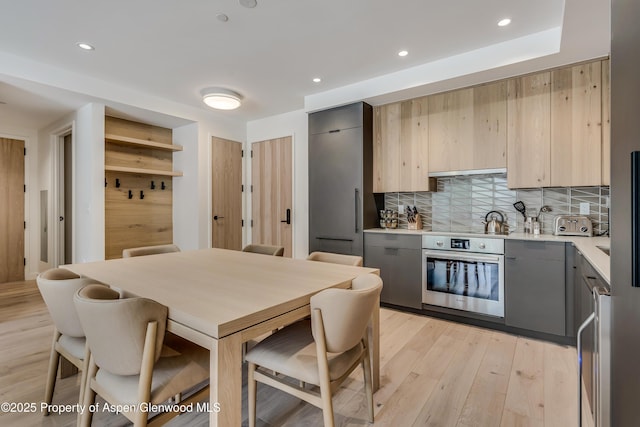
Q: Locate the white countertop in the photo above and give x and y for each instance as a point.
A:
(588, 246)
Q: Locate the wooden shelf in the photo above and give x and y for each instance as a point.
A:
(125, 169)
(135, 142)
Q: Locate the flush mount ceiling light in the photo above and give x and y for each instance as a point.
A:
(403, 53)
(504, 22)
(220, 99)
(317, 80)
(249, 3)
(85, 46)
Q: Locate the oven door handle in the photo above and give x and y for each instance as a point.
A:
(456, 256)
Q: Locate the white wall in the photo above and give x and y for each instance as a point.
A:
(293, 124)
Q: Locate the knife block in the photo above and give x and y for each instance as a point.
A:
(417, 225)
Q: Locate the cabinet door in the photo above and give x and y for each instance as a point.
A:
(401, 274)
(576, 126)
(451, 128)
(529, 131)
(490, 126)
(400, 153)
(535, 286)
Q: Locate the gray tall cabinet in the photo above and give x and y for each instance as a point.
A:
(341, 202)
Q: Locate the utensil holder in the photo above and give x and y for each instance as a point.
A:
(417, 225)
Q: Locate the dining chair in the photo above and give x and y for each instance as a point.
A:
(322, 351)
(264, 249)
(149, 250)
(335, 258)
(57, 287)
(132, 363)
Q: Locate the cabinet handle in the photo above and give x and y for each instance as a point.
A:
(510, 257)
(579, 350)
(357, 198)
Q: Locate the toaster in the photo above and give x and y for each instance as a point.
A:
(572, 225)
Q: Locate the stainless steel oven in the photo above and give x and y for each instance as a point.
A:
(464, 273)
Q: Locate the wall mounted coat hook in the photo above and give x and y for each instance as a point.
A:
(130, 194)
(117, 182)
(153, 185)
(141, 194)
(162, 186)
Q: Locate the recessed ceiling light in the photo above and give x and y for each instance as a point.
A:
(222, 17)
(403, 53)
(249, 3)
(504, 22)
(317, 80)
(220, 99)
(85, 46)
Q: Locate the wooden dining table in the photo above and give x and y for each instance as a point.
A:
(220, 299)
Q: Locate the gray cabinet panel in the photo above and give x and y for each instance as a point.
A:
(348, 116)
(392, 240)
(535, 286)
(401, 273)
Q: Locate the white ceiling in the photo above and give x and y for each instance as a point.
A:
(169, 50)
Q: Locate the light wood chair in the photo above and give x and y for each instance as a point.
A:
(335, 258)
(132, 363)
(264, 249)
(149, 250)
(57, 287)
(322, 351)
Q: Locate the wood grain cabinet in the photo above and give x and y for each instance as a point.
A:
(576, 125)
(400, 151)
(606, 123)
(467, 129)
(138, 185)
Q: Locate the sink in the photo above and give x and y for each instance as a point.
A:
(603, 249)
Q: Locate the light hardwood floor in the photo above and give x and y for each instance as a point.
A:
(433, 372)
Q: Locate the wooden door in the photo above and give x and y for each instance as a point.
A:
(576, 132)
(271, 200)
(529, 131)
(11, 210)
(226, 194)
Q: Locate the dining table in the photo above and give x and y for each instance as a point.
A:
(220, 299)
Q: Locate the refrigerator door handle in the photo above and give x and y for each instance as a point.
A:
(584, 325)
(357, 200)
(635, 220)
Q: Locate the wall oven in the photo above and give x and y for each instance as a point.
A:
(464, 273)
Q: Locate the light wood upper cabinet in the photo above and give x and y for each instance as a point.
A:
(400, 150)
(576, 125)
(606, 124)
(529, 131)
(467, 129)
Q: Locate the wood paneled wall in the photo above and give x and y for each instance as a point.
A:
(137, 222)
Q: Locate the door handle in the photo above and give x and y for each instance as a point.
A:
(61, 218)
(357, 198)
(288, 220)
(216, 217)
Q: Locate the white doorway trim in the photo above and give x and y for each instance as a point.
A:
(56, 201)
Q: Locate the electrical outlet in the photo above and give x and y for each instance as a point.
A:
(585, 209)
(606, 202)
(400, 209)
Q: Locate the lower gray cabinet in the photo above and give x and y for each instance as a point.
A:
(535, 286)
(399, 259)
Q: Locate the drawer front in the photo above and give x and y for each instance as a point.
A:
(534, 250)
(391, 240)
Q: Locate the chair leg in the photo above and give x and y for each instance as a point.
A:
(85, 419)
(54, 361)
(368, 384)
(327, 403)
(251, 398)
(83, 376)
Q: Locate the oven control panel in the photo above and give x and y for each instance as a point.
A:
(488, 245)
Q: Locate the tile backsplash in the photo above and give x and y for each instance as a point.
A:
(461, 203)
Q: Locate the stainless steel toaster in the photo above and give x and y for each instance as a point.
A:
(572, 225)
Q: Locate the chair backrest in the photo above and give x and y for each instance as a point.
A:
(335, 258)
(57, 287)
(116, 328)
(264, 249)
(346, 312)
(149, 250)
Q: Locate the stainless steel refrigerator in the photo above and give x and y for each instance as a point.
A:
(341, 200)
(625, 220)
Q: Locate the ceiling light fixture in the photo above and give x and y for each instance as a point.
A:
(249, 3)
(85, 46)
(504, 22)
(317, 80)
(222, 17)
(221, 99)
(403, 53)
